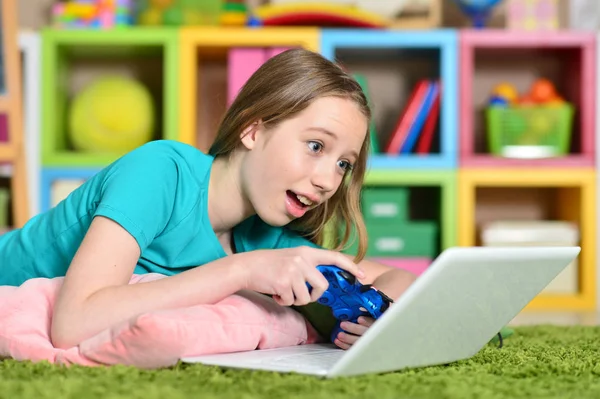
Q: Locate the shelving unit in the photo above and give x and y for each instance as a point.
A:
(203, 71)
(529, 194)
(489, 57)
(452, 186)
(70, 60)
(12, 150)
(441, 205)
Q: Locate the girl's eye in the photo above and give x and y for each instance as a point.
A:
(345, 165)
(315, 146)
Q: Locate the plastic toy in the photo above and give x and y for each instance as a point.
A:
(349, 299)
(538, 124)
(97, 14)
(234, 14)
(114, 114)
(478, 10)
(318, 14)
(179, 12)
(532, 14)
(541, 92)
(506, 91)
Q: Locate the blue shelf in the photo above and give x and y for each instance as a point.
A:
(444, 41)
(49, 175)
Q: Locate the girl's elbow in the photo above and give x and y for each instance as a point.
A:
(61, 336)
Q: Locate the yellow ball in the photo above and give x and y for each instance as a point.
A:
(114, 114)
(506, 91)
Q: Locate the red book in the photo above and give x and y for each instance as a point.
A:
(407, 117)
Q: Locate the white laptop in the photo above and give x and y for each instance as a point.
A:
(449, 313)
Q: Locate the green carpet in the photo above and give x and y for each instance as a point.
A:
(535, 362)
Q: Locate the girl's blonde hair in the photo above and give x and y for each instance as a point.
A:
(281, 88)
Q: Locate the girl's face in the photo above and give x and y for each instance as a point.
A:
(300, 164)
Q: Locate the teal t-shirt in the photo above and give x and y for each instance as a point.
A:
(159, 194)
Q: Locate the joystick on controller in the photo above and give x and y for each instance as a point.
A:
(349, 299)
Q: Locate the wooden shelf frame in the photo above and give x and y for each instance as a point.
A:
(583, 212)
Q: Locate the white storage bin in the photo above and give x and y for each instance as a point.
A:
(538, 233)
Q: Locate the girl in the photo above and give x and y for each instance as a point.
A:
(289, 156)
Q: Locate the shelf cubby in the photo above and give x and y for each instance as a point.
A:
(392, 63)
(431, 200)
(531, 194)
(489, 57)
(57, 183)
(70, 60)
(203, 67)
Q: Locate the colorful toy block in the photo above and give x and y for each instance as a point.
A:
(573, 55)
(94, 14)
(147, 53)
(336, 41)
(574, 192)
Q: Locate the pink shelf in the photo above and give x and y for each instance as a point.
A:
(490, 56)
(414, 265)
(571, 161)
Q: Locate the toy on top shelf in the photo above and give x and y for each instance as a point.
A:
(98, 14)
(179, 12)
(532, 14)
(329, 14)
(536, 124)
(234, 13)
(478, 10)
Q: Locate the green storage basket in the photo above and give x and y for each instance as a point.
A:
(409, 239)
(4, 208)
(385, 204)
(530, 131)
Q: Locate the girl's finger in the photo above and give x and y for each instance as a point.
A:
(366, 321)
(341, 344)
(346, 338)
(353, 328)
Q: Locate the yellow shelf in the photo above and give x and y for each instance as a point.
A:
(212, 43)
(7, 153)
(577, 203)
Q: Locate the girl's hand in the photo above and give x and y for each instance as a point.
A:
(283, 273)
(352, 331)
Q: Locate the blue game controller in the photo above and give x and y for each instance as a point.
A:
(349, 299)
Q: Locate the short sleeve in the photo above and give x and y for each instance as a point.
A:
(138, 193)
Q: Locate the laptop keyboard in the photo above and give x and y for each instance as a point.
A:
(321, 358)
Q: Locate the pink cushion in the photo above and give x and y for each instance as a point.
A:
(244, 321)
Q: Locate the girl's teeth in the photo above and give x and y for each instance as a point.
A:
(304, 200)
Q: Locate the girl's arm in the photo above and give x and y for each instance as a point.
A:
(96, 294)
(390, 280)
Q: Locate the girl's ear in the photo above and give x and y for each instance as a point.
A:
(248, 136)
